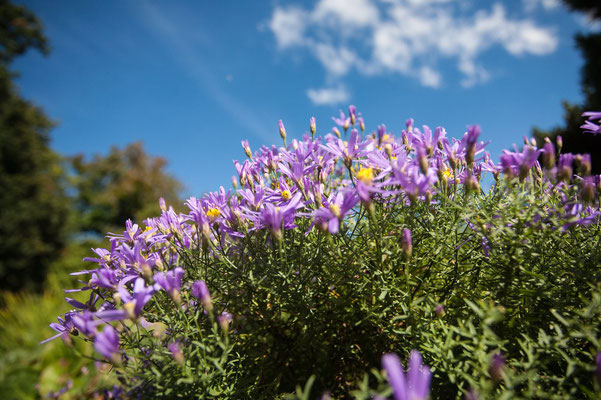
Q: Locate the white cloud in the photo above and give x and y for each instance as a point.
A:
(357, 13)
(429, 77)
(329, 96)
(337, 61)
(409, 37)
(532, 5)
(288, 26)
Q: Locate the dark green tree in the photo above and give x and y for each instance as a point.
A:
(126, 183)
(33, 205)
(574, 140)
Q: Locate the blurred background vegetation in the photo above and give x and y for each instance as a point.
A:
(574, 140)
(54, 208)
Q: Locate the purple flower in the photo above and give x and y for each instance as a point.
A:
(107, 343)
(86, 324)
(336, 210)
(592, 115)
(414, 386)
(589, 126)
(515, 163)
(274, 218)
(201, 292)
(347, 151)
(64, 327)
(343, 121)
(132, 303)
(170, 281)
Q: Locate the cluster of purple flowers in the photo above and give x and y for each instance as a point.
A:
(321, 180)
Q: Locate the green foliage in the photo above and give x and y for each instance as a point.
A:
(31, 371)
(322, 309)
(20, 30)
(122, 185)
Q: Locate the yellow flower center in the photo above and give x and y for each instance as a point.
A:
(213, 213)
(335, 210)
(365, 175)
(285, 194)
(129, 307)
(447, 173)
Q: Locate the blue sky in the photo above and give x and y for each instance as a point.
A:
(191, 79)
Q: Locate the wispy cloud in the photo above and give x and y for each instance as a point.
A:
(329, 96)
(411, 38)
(191, 60)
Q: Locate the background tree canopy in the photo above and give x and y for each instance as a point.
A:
(574, 140)
(33, 204)
(124, 184)
(48, 200)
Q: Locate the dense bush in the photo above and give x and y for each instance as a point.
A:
(332, 254)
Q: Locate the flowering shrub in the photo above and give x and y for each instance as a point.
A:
(334, 255)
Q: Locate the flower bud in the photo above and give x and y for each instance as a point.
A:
(146, 272)
(201, 292)
(422, 160)
(336, 132)
(176, 353)
(162, 204)
(361, 124)
(584, 163)
(246, 148)
(224, 321)
(548, 156)
(439, 310)
(588, 190)
(388, 150)
(312, 126)
(282, 130)
(406, 243)
(176, 297)
(497, 364)
(130, 308)
(559, 142)
(352, 110)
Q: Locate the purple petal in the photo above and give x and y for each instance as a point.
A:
(396, 377)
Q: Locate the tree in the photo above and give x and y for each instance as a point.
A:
(33, 204)
(126, 183)
(574, 140)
